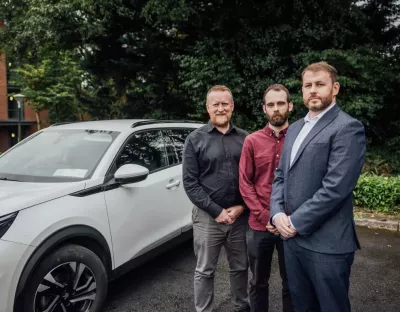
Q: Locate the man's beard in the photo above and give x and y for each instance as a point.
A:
(325, 102)
(220, 120)
(278, 119)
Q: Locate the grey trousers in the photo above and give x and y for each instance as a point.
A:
(209, 237)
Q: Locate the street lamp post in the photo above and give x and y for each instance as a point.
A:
(20, 100)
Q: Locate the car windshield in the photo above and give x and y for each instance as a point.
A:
(56, 156)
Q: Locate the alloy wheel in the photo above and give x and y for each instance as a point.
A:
(70, 287)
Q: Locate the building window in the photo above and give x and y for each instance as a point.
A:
(12, 89)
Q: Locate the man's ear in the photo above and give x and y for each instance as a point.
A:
(264, 109)
(336, 88)
(290, 106)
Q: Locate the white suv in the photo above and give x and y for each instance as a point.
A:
(82, 203)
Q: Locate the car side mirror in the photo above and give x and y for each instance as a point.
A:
(129, 173)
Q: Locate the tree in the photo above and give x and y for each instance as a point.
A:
(52, 84)
(249, 45)
(115, 44)
(157, 58)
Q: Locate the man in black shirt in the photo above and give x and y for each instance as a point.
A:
(210, 177)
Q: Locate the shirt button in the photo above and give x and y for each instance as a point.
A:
(278, 141)
(277, 155)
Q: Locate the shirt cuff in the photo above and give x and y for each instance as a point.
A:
(264, 217)
(290, 220)
(273, 218)
(214, 210)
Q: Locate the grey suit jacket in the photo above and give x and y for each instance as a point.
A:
(317, 189)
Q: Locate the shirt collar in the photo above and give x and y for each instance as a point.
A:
(211, 126)
(271, 132)
(319, 116)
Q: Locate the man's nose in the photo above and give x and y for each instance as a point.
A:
(313, 88)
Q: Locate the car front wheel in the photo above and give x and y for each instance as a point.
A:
(71, 279)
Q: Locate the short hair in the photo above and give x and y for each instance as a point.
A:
(219, 88)
(322, 66)
(277, 87)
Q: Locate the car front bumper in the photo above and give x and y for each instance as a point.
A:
(13, 257)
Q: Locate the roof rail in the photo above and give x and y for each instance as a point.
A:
(63, 123)
(155, 121)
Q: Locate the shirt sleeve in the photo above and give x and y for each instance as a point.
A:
(191, 183)
(246, 184)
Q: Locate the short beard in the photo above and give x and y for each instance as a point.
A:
(277, 119)
(220, 121)
(325, 102)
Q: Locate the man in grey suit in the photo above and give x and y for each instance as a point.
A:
(311, 202)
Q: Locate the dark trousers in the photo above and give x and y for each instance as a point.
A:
(260, 249)
(318, 282)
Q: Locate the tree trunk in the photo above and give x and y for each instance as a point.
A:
(38, 121)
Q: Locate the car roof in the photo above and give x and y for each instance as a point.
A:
(120, 125)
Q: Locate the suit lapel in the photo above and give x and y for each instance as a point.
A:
(321, 124)
(290, 140)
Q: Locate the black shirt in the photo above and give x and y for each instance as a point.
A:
(211, 168)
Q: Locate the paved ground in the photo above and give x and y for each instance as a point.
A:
(166, 283)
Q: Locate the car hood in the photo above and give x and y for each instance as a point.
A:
(15, 196)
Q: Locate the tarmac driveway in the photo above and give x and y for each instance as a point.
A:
(166, 283)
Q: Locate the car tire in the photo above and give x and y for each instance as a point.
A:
(73, 278)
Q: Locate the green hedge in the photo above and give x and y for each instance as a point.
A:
(377, 193)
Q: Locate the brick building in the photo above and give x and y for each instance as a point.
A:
(9, 111)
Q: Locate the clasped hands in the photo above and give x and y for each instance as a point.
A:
(282, 221)
(229, 216)
(282, 226)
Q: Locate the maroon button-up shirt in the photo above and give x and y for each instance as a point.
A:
(260, 157)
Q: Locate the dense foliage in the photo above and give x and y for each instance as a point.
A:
(378, 194)
(157, 59)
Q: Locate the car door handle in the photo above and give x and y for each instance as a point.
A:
(171, 185)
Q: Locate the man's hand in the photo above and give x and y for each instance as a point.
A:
(234, 212)
(282, 224)
(271, 229)
(224, 217)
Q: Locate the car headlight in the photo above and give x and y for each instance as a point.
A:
(5, 222)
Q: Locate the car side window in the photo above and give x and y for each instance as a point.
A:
(146, 149)
(175, 140)
(171, 151)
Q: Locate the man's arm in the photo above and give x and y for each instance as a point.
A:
(191, 184)
(346, 159)
(246, 185)
(277, 203)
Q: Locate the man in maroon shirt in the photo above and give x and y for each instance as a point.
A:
(260, 157)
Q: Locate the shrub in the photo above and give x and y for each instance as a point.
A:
(382, 161)
(378, 193)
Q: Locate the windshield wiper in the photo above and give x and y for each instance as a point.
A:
(7, 179)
